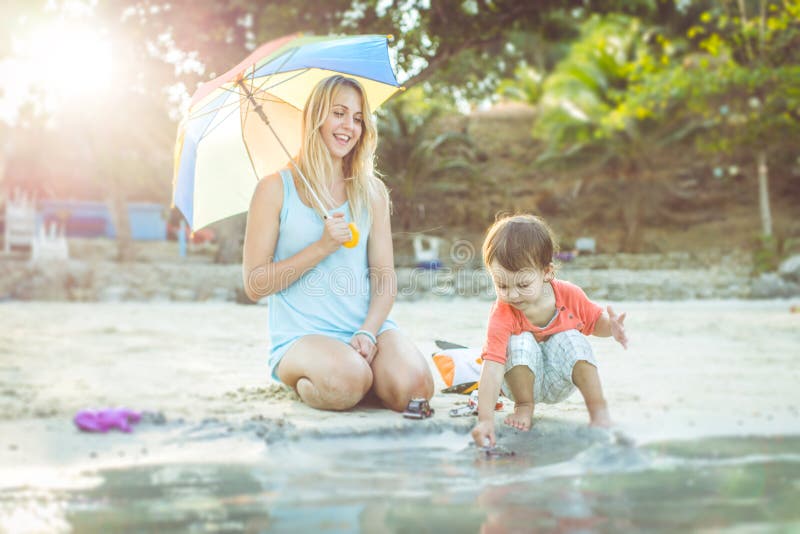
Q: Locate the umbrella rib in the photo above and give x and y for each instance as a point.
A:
(260, 112)
(210, 111)
(260, 87)
(234, 106)
(264, 98)
(289, 55)
(250, 98)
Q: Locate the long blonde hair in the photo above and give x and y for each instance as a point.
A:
(358, 165)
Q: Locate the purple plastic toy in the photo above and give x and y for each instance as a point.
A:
(106, 419)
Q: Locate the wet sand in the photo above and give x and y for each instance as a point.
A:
(694, 369)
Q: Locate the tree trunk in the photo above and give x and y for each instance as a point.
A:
(401, 212)
(763, 193)
(119, 216)
(631, 215)
(230, 237)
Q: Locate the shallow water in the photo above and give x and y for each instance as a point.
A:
(579, 481)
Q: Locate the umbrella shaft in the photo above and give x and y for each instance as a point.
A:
(260, 112)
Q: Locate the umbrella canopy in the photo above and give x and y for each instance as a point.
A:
(246, 124)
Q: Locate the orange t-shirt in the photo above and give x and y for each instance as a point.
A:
(574, 311)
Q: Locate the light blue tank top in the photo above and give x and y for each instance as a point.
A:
(330, 299)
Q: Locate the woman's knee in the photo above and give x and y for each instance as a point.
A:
(418, 381)
(337, 386)
(405, 386)
(422, 381)
(345, 387)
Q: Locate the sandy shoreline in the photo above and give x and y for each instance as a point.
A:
(694, 369)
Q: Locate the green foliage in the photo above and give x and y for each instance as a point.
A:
(593, 106)
(766, 256)
(417, 161)
(470, 46)
(525, 86)
(748, 67)
(596, 114)
(617, 94)
(743, 79)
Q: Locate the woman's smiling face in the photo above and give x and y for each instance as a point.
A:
(344, 124)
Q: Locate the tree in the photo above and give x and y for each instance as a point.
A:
(418, 161)
(591, 120)
(121, 136)
(469, 45)
(739, 75)
(750, 62)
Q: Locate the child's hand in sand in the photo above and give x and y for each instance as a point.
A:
(617, 327)
(364, 346)
(483, 432)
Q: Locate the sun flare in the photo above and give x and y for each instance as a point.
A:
(67, 61)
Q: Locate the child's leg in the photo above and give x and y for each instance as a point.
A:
(524, 361)
(569, 362)
(586, 378)
(520, 380)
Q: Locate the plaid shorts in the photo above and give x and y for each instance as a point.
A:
(550, 361)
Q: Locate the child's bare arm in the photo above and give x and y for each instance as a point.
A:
(611, 324)
(489, 391)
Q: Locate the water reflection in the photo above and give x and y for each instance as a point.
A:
(428, 484)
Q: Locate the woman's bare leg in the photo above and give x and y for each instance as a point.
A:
(400, 371)
(326, 373)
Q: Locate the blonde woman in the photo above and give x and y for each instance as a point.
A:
(331, 338)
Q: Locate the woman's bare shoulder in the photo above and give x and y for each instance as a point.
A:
(378, 191)
(268, 191)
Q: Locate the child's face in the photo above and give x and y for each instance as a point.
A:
(519, 288)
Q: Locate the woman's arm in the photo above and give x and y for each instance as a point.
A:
(262, 276)
(380, 254)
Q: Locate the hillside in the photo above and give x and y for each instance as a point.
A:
(700, 213)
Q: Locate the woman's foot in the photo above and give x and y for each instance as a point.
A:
(522, 416)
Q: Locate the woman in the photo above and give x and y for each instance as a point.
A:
(330, 335)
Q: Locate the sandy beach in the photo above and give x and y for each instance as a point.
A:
(693, 369)
(222, 448)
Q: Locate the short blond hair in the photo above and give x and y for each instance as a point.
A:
(519, 242)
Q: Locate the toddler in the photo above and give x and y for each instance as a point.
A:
(536, 349)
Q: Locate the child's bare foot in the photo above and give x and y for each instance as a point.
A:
(599, 417)
(522, 416)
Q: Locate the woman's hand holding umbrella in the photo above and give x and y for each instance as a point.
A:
(337, 233)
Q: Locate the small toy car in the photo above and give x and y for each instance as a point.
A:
(471, 407)
(418, 408)
(496, 452)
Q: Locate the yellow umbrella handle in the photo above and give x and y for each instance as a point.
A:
(354, 240)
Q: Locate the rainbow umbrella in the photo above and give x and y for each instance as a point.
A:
(245, 124)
